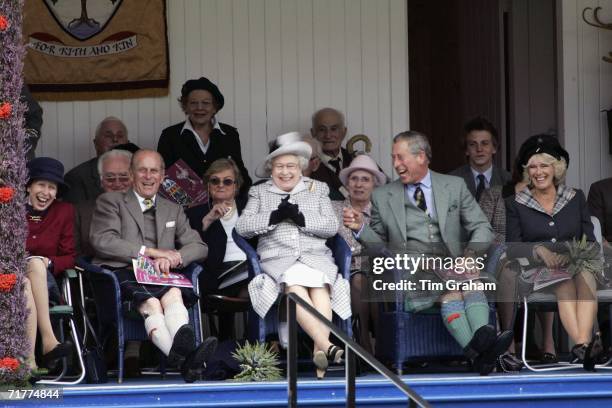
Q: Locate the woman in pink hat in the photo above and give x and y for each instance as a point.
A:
(359, 179)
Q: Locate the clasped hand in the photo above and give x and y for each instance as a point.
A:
(551, 259)
(287, 211)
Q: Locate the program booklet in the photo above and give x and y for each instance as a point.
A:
(146, 275)
(183, 186)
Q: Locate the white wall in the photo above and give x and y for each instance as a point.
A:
(585, 90)
(276, 61)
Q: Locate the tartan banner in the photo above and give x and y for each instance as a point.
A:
(96, 49)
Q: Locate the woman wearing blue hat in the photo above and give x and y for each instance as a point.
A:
(201, 139)
(50, 246)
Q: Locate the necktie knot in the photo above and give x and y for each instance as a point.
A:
(336, 164)
(148, 203)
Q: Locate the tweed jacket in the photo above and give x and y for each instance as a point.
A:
(358, 261)
(281, 245)
(457, 212)
(117, 230)
(600, 205)
(499, 177)
(493, 205)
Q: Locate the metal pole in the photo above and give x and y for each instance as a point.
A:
(350, 377)
(292, 353)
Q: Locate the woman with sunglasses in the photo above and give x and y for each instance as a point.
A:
(215, 221)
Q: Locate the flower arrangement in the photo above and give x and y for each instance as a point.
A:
(585, 256)
(9, 363)
(5, 110)
(6, 194)
(14, 344)
(7, 281)
(258, 363)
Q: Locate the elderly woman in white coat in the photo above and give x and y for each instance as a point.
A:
(293, 217)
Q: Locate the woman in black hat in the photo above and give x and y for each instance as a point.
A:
(50, 244)
(201, 139)
(544, 216)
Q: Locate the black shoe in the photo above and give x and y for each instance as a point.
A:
(509, 363)
(483, 339)
(60, 351)
(196, 360)
(485, 362)
(182, 344)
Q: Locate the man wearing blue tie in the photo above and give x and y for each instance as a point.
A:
(427, 213)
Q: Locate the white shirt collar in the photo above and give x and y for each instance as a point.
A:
(204, 147)
(488, 173)
(141, 199)
(326, 158)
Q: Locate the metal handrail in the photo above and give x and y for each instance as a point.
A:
(352, 348)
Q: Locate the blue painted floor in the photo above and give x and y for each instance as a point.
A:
(568, 389)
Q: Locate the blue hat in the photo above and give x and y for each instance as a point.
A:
(47, 168)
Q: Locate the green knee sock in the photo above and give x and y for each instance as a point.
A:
(456, 322)
(476, 309)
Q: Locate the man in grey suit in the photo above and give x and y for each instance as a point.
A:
(139, 222)
(424, 212)
(84, 179)
(480, 144)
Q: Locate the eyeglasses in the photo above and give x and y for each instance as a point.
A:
(288, 166)
(215, 181)
(111, 178)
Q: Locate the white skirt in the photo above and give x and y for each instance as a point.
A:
(300, 274)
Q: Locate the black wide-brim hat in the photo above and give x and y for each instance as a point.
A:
(542, 144)
(206, 85)
(47, 168)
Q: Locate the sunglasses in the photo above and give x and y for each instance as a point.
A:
(215, 181)
(114, 179)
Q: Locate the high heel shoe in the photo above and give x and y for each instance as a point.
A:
(320, 361)
(578, 354)
(334, 354)
(60, 351)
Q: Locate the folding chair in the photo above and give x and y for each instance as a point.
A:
(61, 313)
(548, 302)
(112, 313)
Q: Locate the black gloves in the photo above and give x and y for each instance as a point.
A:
(287, 211)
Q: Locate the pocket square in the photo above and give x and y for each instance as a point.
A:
(170, 224)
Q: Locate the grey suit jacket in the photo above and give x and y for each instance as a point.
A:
(117, 230)
(499, 177)
(458, 215)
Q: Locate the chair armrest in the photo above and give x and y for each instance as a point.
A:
(193, 271)
(494, 255)
(251, 254)
(342, 255)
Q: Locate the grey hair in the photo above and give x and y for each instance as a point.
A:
(302, 162)
(327, 110)
(417, 141)
(315, 144)
(110, 119)
(111, 154)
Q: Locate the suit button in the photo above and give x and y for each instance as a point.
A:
(553, 240)
(296, 253)
(552, 223)
(33, 236)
